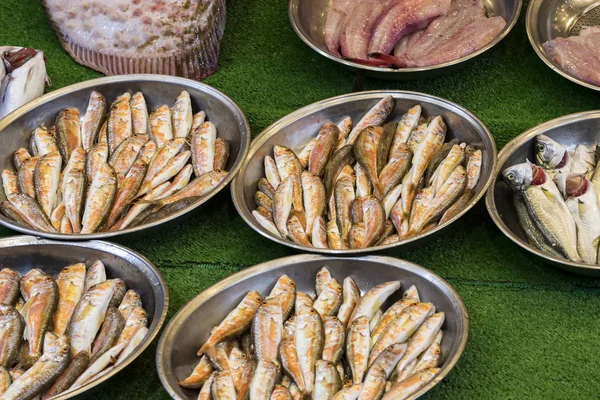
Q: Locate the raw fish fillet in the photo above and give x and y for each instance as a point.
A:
(335, 23)
(406, 43)
(441, 30)
(401, 18)
(575, 58)
(172, 37)
(359, 24)
(590, 38)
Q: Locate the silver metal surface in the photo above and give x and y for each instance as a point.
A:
(299, 127)
(190, 327)
(308, 19)
(22, 253)
(230, 121)
(581, 128)
(549, 19)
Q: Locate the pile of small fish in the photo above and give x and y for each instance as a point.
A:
(340, 346)
(370, 180)
(408, 33)
(579, 55)
(558, 200)
(59, 334)
(22, 77)
(85, 174)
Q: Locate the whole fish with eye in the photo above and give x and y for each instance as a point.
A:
(583, 205)
(546, 206)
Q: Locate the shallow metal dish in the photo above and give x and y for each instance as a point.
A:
(190, 327)
(549, 19)
(308, 19)
(22, 253)
(299, 127)
(158, 89)
(581, 128)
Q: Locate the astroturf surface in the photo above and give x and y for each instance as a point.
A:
(534, 329)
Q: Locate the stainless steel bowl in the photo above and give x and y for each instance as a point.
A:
(22, 253)
(549, 19)
(298, 128)
(230, 121)
(308, 19)
(190, 327)
(581, 128)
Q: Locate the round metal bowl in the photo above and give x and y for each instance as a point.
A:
(230, 121)
(298, 128)
(549, 19)
(308, 19)
(22, 253)
(190, 327)
(581, 128)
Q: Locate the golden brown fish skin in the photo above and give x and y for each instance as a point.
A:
(344, 196)
(93, 119)
(315, 202)
(282, 205)
(267, 329)
(268, 215)
(384, 145)
(46, 181)
(95, 274)
(264, 380)
(70, 282)
(288, 165)
(29, 280)
(75, 186)
(303, 304)
(161, 127)
(319, 233)
(404, 389)
(374, 385)
(280, 392)
(323, 148)
(236, 322)
(182, 115)
(285, 291)
(43, 141)
(222, 387)
(10, 182)
(365, 151)
(197, 120)
(407, 124)
(393, 173)
(26, 176)
(206, 391)
(237, 364)
(447, 195)
(262, 200)
(12, 325)
(9, 287)
(265, 187)
(389, 358)
(432, 142)
(77, 161)
(338, 161)
(271, 172)
(42, 373)
(100, 199)
(335, 339)
(304, 155)
(351, 295)
(68, 129)
(372, 300)
(119, 123)
(217, 356)
(20, 156)
(103, 135)
(42, 306)
(199, 375)
(222, 149)
(327, 380)
(334, 238)
(330, 299)
(422, 339)
(374, 217)
(123, 157)
(437, 159)
(363, 185)
(97, 156)
(430, 357)
(322, 278)
(199, 187)
(203, 145)
(375, 116)
(455, 157)
(421, 203)
(127, 191)
(10, 211)
(389, 315)
(5, 380)
(130, 301)
(74, 369)
(388, 230)
(309, 339)
(344, 126)
(139, 114)
(289, 361)
(358, 344)
(296, 232)
(109, 333)
(246, 379)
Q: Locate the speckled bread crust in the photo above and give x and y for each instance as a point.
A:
(197, 60)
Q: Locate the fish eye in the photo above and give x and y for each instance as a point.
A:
(541, 146)
(510, 176)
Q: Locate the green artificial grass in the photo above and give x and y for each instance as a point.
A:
(533, 328)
